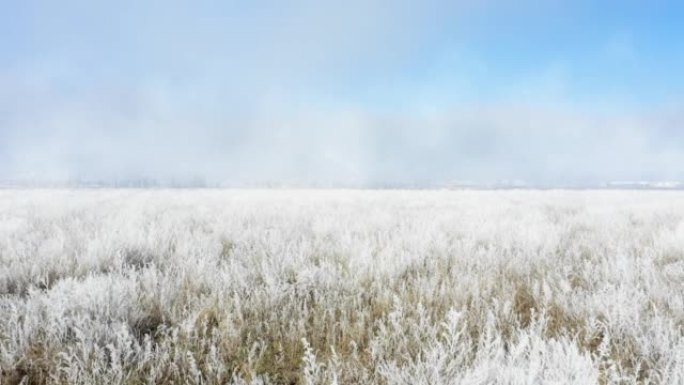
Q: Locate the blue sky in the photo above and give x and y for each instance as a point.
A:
(354, 92)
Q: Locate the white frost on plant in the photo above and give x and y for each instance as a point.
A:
(336, 287)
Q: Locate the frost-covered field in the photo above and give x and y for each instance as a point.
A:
(341, 287)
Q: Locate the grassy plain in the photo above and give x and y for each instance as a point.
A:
(341, 287)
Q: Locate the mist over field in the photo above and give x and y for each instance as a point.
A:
(338, 192)
(353, 93)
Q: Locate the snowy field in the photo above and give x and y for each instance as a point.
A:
(341, 287)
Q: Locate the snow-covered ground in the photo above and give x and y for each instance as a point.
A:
(341, 287)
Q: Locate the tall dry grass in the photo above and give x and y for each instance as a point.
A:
(341, 287)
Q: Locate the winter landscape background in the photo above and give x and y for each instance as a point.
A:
(341, 287)
(341, 192)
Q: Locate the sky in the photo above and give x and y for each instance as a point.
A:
(349, 93)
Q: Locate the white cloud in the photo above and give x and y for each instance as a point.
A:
(290, 141)
(256, 93)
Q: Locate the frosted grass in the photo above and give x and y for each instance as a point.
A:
(341, 287)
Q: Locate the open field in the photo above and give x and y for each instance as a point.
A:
(341, 287)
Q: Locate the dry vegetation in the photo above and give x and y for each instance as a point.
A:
(341, 287)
